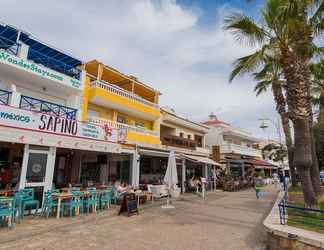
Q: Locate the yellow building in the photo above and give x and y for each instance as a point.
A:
(122, 102)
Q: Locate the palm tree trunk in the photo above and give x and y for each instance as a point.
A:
(297, 100)
(280, 101)
(303, 159)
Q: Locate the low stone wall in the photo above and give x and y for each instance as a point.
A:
(277, 242)
(284, 237)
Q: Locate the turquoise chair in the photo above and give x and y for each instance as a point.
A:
(7, 210)
(17, 209)
(92, 200)
(106, 198)
(71, 205)
(49, 203)
(28, 200)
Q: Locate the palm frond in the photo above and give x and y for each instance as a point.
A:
(262, 86)
(247, 64)
(244, 29)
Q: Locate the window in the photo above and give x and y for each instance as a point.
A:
(121, 119)
(181, 135)
(140, 124)
(92, 113)
(189, 137)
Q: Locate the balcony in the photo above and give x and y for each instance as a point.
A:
(33, 104)
(230, 148)
(177, 141)
(106, 94)
(127, 127)
(4, 97)
(54, 64)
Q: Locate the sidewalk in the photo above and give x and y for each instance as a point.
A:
(222, 221)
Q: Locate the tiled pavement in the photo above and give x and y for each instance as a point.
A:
(222, 221)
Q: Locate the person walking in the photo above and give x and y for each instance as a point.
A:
(257, 187)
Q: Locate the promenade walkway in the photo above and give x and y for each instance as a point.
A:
(223, 221)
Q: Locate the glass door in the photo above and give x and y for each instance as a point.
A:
(37, 170)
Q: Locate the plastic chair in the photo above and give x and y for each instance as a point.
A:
(92, 200)
(74, 203)
(106, 198)
(27, 198)
(49, 203)
(7, 211)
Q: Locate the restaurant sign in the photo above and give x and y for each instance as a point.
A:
(39, 70)
(41, 122)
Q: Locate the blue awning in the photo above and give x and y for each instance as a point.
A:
(53, 53)
(8, 36)
(39, 52)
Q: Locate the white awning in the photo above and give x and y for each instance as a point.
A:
(201, 159)
(156, 153)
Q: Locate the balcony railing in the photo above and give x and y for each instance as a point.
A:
(10, 46)
(239, 149)
(177, 141)
(121, 92)
(54, 64)
(4, 97)
(33, 104)
(118, 125)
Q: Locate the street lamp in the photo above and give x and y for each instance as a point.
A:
(264, 126)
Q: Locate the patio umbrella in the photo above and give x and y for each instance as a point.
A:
(171, 176)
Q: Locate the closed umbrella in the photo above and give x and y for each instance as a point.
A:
(171, 176)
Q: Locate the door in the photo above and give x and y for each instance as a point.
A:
(38, 169)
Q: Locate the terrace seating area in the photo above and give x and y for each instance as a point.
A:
(58, 203)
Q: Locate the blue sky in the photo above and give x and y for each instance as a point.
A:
(176, 46)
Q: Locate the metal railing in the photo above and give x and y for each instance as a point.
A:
(178, 141)
(122, 92)
(33, 104)
(54, 64)
(10, 46)
(4, 97)
(299, 216)
(231, 147)
(118, 125)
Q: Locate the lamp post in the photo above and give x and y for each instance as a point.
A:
(276, 124)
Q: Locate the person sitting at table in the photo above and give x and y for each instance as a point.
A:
(5, 176)
(122, 188)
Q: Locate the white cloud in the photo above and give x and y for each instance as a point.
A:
(159, 41)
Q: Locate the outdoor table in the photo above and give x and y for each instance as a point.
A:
(60, 197)
(6, 192)
(7, 200)
(139, 195)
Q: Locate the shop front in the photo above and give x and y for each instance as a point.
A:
(153, 165)
(36, 147)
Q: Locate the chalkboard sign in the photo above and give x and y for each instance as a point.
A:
(129, 205)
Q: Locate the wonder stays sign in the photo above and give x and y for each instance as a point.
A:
(40, 122)
(38, 70)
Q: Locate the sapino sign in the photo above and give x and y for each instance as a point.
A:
(38, 69)
(40, 122)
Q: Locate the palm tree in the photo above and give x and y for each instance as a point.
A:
(269, 75)
(288, 32)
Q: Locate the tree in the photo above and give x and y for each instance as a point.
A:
(269, 75)
(288, 30)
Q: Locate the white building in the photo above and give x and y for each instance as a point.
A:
(237, 149)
